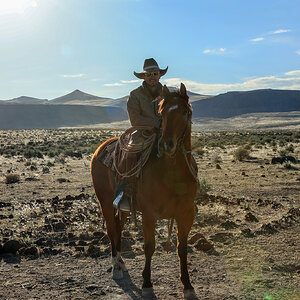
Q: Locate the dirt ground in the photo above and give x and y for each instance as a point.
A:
(244, 243)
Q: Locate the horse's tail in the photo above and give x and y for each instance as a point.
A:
(170, 228)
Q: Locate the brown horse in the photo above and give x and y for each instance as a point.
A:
(166, 189)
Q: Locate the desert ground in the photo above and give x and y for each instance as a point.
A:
(244, 243)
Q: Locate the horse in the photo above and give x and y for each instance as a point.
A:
(166, 190)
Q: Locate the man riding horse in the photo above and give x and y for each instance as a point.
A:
(143, 112)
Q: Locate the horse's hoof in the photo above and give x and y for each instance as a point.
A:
(117, 273)
(148, 293)
(123, 267)
(190, 294)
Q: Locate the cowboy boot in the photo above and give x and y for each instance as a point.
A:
(124, 192)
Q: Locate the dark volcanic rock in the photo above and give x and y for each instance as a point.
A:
(250, 217)
(203, 245)
(11, 246)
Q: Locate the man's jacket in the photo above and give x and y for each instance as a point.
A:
(142, 110)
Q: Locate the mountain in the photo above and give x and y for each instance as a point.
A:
(79, 97)
(237, 103)
(43, 116)
(82, 109)
(27, 100)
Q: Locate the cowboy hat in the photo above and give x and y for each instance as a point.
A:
(150, 65)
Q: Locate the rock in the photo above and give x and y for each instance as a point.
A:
(250, 217)
(126, 245)
(61, 180)
(92, 287)
(100, 234)
(71, 236)
(247, 232)
(197, 236)
(59, 226)
(93, 251)
(203, 245)
(228, 225)
(33, 251)
(221, 237)
(11, 246)
(218, 167)
(82, 243)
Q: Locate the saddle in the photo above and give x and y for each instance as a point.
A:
(127, 155)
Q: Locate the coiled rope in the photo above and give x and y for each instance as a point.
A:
(126, 146)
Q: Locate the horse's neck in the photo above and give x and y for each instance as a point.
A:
(187, 139)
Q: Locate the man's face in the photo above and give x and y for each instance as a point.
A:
(152, 78)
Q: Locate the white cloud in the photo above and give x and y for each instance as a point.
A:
(258, 39)
(293, 73)
(274, 82)
(113, 84)
(214, 51)
(280, 31)
(130, 81)
(298, 52)
(73, 75)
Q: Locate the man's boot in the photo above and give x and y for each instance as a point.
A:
(124, 192)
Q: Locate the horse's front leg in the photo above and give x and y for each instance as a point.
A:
(149, 247)
(184, 224)
(118, 265)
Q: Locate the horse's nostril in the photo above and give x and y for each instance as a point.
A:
(170, 144)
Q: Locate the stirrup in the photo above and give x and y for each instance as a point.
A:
(122, 203)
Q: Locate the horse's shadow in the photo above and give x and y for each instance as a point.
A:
(130, 289)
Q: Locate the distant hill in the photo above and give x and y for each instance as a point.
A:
(237, 103)
(77, 97)
(27, 100)
(81, 109)
(43, 116)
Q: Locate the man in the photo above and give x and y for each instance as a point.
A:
(142, 111)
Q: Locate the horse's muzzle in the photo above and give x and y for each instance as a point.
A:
(169, 147)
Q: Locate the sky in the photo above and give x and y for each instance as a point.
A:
(49, 48)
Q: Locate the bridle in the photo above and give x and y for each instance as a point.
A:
(180, 145)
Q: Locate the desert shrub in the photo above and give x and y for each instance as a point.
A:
(204, 187)
(290, 166)
(290, 148)
(241, 153)
(282, 152)
(33, 153)
(216, 158)
(12, 178)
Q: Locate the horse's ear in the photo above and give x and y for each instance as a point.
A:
(165, 91)
(182, 90)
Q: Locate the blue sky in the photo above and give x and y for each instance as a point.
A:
(51, 47)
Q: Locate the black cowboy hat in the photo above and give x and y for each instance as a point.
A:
(150, 65)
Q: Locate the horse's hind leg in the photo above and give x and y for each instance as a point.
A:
(184, 224)
(113, 224)
(149, 247)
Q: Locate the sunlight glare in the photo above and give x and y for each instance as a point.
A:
(16, 6)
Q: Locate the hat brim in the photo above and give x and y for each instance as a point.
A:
(142, 74)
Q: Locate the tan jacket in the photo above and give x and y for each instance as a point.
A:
(141, 109)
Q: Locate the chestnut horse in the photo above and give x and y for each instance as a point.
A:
(166, 189)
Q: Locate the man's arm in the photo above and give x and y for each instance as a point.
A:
(135, 114)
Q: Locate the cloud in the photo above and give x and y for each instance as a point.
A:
(298, 52)
(214, 51)
(122, 82)
(73, 75)
(280, 31)
(293, 73)
(113, 84)
(130, 81)
(274, 82)
(258, 39)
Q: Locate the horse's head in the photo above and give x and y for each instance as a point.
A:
(176, 115)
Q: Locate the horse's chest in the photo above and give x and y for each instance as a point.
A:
(175, 182)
